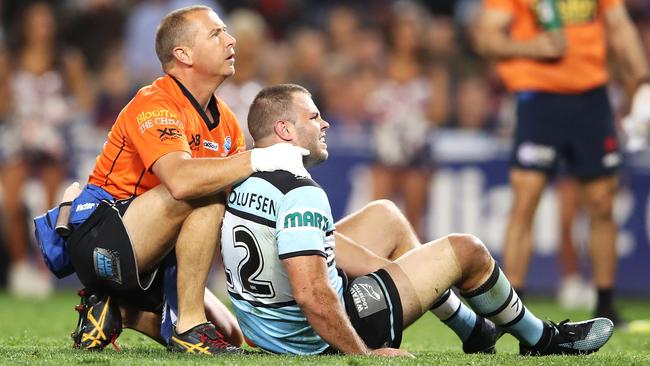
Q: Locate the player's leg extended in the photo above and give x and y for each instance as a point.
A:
(598, 196)
(527, 188)
(462, 260)
(380, 227)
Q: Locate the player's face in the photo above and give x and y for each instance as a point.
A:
(214, 48)
(310, 128)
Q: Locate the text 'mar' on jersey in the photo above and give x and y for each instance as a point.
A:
(271, 217)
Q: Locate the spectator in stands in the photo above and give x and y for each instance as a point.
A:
(48, 92)
(400, 108)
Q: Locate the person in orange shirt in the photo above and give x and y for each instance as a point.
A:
(552, 54)
(156, 198)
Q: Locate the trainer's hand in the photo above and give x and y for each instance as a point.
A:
(73, 191)
(637, 124)
(282, 156)
(391, 352)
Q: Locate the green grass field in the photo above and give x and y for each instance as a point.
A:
(37, 332)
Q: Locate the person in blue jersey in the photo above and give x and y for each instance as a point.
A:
(300, 287)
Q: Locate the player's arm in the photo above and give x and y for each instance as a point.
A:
(626, 45)
(320, 304)
(354, 259)
(492, 39)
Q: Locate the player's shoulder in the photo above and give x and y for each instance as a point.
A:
(286, 182)
(159, 95)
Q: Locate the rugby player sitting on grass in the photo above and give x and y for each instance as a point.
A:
(287, 268)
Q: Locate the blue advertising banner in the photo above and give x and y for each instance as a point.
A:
(471, 194)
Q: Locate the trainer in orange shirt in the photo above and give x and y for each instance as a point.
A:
(157, 188)
(552, 53)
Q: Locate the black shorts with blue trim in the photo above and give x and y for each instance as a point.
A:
(576, 128)
(104, 260)
(374, 307)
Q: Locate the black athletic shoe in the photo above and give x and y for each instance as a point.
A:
(203, 339)
(100, 322)
(614, 316)
(571, 338)
(483, 337)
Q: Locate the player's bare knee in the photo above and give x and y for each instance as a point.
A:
(600, 208)
(387, 212)
(471, 253)
(382, 208)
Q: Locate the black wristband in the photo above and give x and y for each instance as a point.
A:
(63, 204)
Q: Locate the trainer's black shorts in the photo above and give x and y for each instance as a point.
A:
(374, 307)
(577, 128)
(104, 259)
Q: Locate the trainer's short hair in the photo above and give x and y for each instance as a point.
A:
(271, 104)
(173, 31)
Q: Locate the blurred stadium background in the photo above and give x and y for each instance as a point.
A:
(355, 57)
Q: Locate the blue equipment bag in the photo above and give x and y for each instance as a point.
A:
(52, 244)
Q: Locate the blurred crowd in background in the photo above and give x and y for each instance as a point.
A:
(387, 75)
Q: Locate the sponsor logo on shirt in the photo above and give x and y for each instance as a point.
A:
(195, 142)
(169, 133)
(577, 11)
(210, 145)
(240, 145)
(306, 219)
(148, 115)
(158, 117)
(227, 144)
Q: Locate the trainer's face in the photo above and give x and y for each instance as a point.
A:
(213, 52)
(310, 129)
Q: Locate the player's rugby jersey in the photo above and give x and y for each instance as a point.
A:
(271, 217)
(161, 118)
(583, 66)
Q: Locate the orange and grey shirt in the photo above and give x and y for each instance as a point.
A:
(582, 68)
(162, 117)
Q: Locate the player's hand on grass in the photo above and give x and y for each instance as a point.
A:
(391, 352)
(637, 124)
(283, 156)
